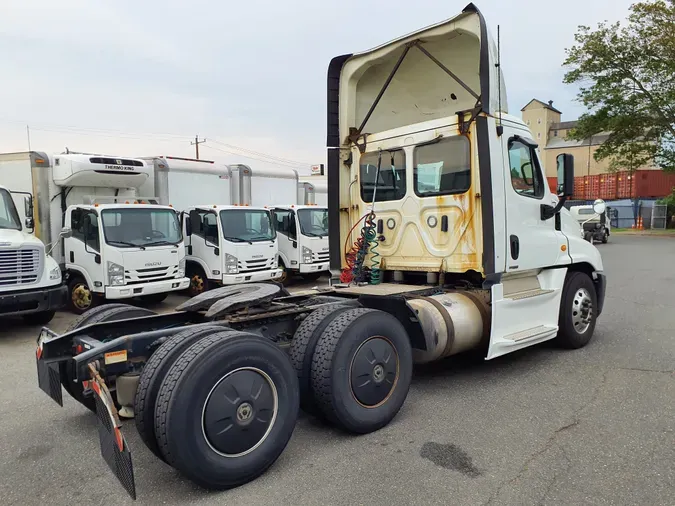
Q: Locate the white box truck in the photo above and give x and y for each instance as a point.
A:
(87, 211)
(301, 225)
(225, 244)
(30, 280)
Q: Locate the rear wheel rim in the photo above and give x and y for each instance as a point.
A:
(582, 310)
(81, 296)
(239, 412)
(374, 372)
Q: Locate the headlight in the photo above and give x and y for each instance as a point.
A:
(55, 273)
(231, 262)
(306, 255)
(115, 274)
(181, 268)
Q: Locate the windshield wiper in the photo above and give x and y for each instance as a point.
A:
(236, 239)
(162, 243)
(261, 238)
(125, 243)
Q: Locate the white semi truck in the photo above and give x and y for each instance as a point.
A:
(225, 243)
(459, 245)
(88, 213)
(30, 280)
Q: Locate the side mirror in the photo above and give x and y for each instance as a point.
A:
(188, 224)
(66, 233)
(565, 172)
(599, 206)
(286, 222)
(30, 223)
(28, 207)
(195, 222)
(86, 227)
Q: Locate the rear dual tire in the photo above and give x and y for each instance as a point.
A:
(226, 409)
(354, 366)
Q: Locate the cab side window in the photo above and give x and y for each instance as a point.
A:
(284, 222)
(84, 225)
(526, 176)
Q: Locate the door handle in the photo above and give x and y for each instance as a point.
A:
(515, 247)
(380, 226)
(444, 223)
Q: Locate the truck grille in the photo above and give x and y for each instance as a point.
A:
(19, 266)
(138, 276)
(256, 265)
(321, 256)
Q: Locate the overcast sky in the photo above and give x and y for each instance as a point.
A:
(139, 78)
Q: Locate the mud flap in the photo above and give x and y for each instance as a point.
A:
(49, 378)
(114, 449)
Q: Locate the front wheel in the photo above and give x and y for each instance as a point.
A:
(578, 311)
(199, 283)
(311, 276)
(605, 237)
(80, 296)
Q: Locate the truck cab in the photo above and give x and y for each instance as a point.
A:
(303, 240)
(30, 280)
(229, 244)
(122, 250)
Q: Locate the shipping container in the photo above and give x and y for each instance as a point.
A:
(622, 185)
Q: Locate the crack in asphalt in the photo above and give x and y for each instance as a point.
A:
(640, 369)
(551, 442)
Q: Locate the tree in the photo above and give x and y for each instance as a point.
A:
(626, 78)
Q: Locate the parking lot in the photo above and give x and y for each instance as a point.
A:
(542, 426)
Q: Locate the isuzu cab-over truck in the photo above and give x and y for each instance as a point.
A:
(444, 238)
(227, 240)
(88, 212)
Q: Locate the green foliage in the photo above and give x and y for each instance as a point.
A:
(626, 77)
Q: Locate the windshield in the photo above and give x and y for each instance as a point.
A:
(313, 222)
(141, 227)
(250, 225)
(9, 218)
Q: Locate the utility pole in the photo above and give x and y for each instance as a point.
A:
(196, 144)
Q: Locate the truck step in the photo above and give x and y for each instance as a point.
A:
(528, 294)
(534, 332)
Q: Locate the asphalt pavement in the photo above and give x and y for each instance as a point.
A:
(593, 426)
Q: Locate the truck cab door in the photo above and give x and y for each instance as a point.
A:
(532, 242)
(83, 248)
(526, 302)
(289, 250)
(205, 241)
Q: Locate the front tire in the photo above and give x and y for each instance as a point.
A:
(80, 296)
(311, 276)
(362, 369)
(578, 311)
(605, 237)
(199, 283)
(227, 409)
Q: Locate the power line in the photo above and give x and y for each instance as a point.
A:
(165, 137)
(252, 157)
